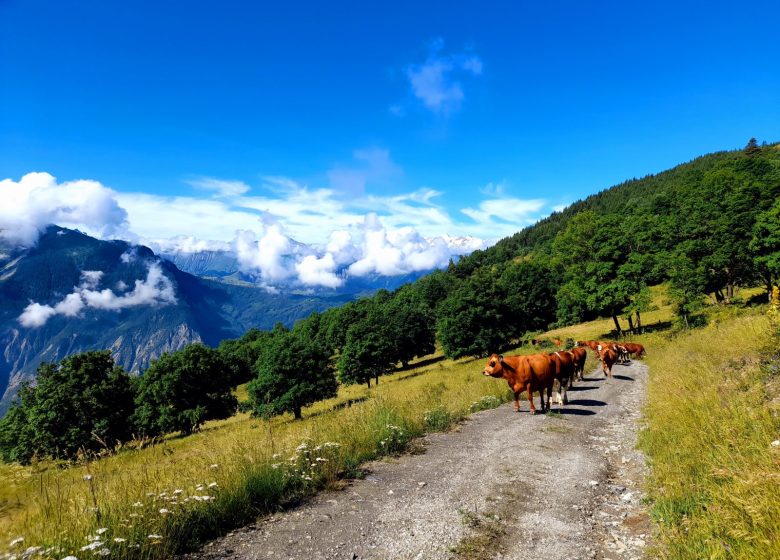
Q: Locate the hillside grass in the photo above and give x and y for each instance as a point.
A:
(712, 413)
(714, 479)
(159, 498)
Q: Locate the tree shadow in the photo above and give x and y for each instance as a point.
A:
(422, 363)
(587, 402)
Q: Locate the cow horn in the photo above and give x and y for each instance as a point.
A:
(501, 358)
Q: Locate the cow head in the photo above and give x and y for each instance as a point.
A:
(495, 366)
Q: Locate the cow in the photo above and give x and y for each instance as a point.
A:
(608, 358)
(563, 364)
(524, 373)
(580, 355)
(620, 350)
(592, 344)
(634, 348)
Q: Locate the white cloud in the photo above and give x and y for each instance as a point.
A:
(292, 233)
(35, 315)
(513, 211)
(220, 187)
(313, 271)
(37, 200)
(186, 244)
(435, 82)
(155, 289)
(388, 252)
(265, 254)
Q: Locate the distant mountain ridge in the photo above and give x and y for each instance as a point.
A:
(225, 267)
(106, 313)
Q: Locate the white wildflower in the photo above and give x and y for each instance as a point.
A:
(163, 494)
(331, 444)
(70, 558)
(31, 550)
(321, 460)
(153, 536)
(93, 538)
(87, 477)
(177, 491)
(276, 455)
(212, 484)
(214, 466)
(199, 488)
(275, 465)
(164, 511)
(17, 540)
(101, 530)
(150, 495)
(103, 552)
(138, 504)
(94, 545)
(119, 540)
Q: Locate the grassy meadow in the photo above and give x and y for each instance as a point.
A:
(709, 421)
(165, 498)
(712, 413)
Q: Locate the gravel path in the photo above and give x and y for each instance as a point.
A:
(501, 485)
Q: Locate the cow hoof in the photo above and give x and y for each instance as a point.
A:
(533, 411)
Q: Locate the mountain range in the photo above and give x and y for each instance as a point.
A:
(70, 293)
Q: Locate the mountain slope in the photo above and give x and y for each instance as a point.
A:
(93, 294)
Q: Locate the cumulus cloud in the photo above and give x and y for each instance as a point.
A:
(155, 289)
(37, 200)
(314, 271)
(266, 254)
(436, 83)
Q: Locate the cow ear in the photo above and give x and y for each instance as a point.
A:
(501, 358)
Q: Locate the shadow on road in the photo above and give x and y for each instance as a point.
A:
(582, 388)
(623, 377)
(574, 411)
(587, 402)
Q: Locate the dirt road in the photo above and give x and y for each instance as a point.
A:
(502, 485)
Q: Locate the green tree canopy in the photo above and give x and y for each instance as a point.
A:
(183, 389)
(81, 404)
(765, 245)
(295, 372)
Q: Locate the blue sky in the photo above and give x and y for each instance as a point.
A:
(459, 118)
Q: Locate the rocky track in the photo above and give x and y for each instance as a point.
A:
(501, 485)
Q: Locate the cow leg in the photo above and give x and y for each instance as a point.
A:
(531, 399)
(517, 401)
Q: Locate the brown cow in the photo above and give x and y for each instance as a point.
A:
(620, 350)
(524, 373)
(580, 355)
(563, 364)
(592, 344)
(608, 358)
(634, 348)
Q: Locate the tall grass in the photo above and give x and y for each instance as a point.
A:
(711, 416)
(167, 498)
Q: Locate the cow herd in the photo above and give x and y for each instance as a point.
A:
(540, 372)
